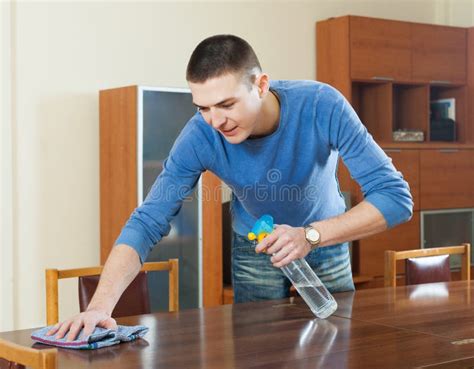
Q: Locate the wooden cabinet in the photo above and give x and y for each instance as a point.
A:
(372, 249)
(469, 132)
(438, 53)
(459, 94)
(380, 49)
(410, 108)
(138, 126)
(390, 71)
(373, 103)
(405, 51)
(446, 178)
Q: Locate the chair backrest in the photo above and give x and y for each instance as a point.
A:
(17, 356)
(134, 300)
(428, 269)
(53, 275)
(423, 268)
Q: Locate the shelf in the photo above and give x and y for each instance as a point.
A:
(410, 107)
(424, 145)
(409, 82)
(385, 107)
(373, 104)
(459, 93)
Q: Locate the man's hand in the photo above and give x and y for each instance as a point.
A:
(88, 319)
(121, 267)
(286, 244)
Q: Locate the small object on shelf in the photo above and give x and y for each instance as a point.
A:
(409, 135)
(443, 108)
(442, 120)
(443, 129)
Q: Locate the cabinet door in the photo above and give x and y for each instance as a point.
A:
(439, 53)
(372, 249)
(446, 179)
(135, 139)
(407, 162)
(380, 49)
(163, 115)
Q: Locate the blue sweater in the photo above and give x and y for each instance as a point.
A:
(290, 174)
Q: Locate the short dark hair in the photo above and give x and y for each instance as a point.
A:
(221, 54)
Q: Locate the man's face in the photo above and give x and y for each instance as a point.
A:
(229, 105)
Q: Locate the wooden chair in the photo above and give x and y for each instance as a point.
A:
(16, 356)
(137, 290)
(428, 264)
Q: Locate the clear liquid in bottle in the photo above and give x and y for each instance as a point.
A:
(310, 287)
(305, 280)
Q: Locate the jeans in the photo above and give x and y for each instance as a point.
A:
(254, 277)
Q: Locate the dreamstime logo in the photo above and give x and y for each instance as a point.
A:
(273, 176)
(273, 191)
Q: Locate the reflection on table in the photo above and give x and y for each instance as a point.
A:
(403, 327)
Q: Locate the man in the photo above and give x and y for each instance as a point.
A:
(276, 144)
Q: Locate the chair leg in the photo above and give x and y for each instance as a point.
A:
(466, 263)
(390, 274)
(174, 285)
(52, 315)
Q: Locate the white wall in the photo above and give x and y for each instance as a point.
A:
(64, 52)
(6, 167)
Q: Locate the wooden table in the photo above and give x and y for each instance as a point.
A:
(427, 326)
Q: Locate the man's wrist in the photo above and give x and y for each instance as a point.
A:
(94, 306)
(312, 236)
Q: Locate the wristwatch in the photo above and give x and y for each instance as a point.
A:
(312, 236)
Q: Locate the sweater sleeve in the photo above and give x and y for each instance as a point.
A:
(150, 221)
(382, 185)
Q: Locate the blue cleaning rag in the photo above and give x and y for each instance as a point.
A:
(101, 337)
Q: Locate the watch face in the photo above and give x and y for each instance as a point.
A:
(313, 235)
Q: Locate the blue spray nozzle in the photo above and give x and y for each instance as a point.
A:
(262, 228)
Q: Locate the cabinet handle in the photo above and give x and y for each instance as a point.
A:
(381, 78)
(448, 150)
(440, 82)
(392, 150)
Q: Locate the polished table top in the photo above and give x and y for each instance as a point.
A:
(426, 326)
